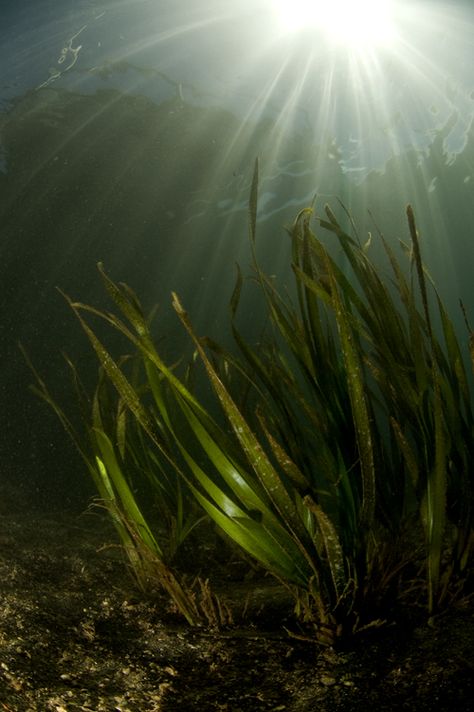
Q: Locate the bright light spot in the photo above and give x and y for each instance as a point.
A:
(346, 22)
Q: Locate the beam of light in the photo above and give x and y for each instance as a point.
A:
(351, 23)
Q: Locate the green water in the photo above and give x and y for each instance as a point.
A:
(145, 162)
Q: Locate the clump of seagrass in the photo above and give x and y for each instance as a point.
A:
(342, 461)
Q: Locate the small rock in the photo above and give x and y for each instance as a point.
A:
(327, 680)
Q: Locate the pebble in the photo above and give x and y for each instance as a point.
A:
(327, 681)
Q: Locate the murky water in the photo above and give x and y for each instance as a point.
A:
(128, 134)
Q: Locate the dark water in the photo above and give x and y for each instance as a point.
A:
(128, 135)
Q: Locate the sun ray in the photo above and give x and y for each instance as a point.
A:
(348, 22)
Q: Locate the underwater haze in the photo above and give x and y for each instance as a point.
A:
(128, 135)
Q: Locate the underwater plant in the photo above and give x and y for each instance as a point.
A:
(342, 460)
(118, 458)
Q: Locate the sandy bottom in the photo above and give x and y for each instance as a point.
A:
(75, 634)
